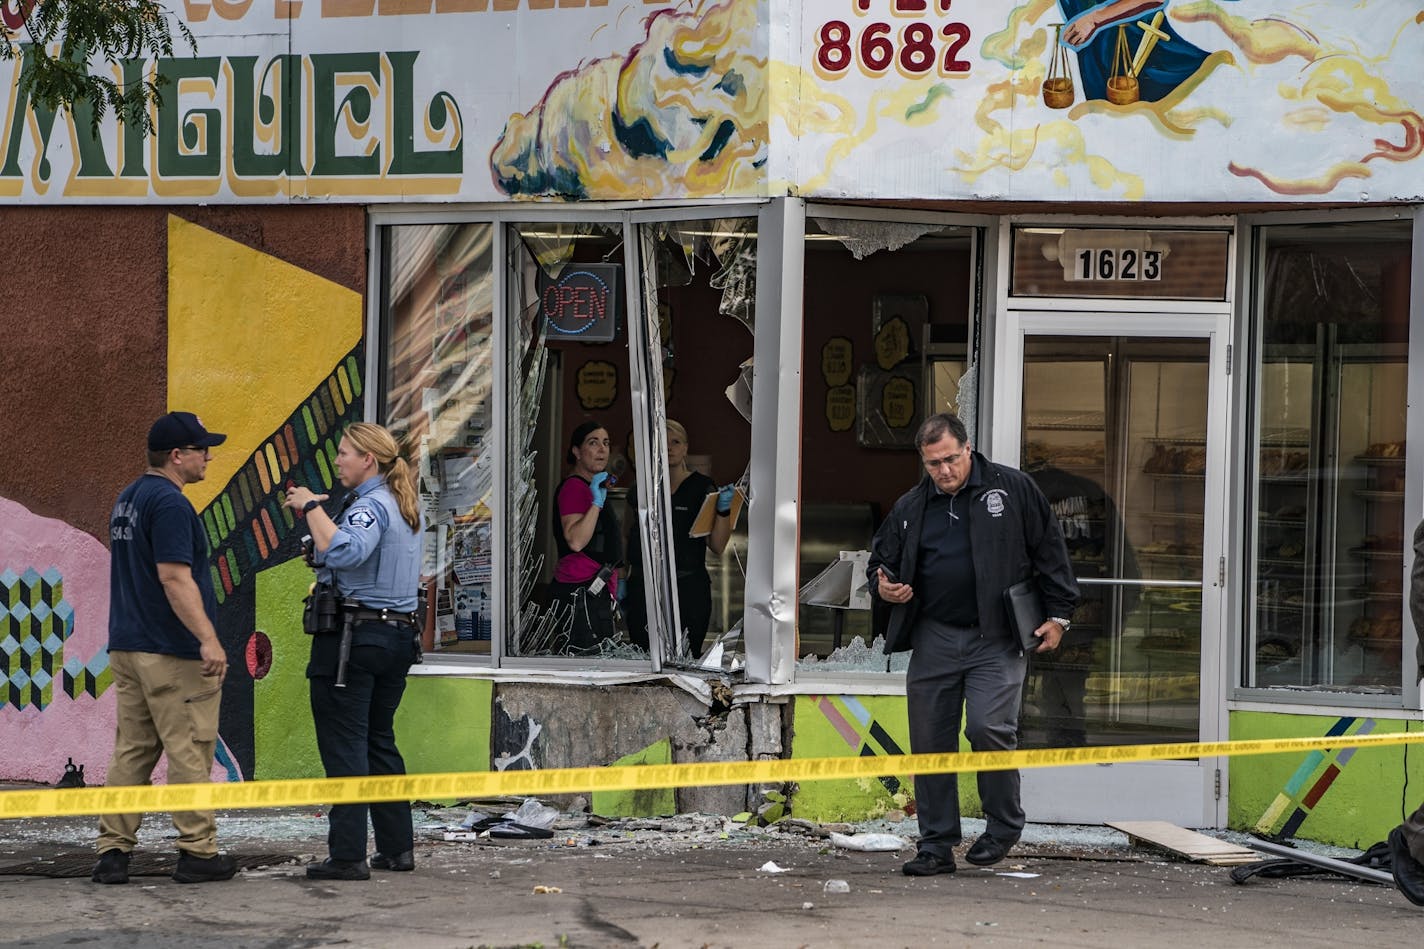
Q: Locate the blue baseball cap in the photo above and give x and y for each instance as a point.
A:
(181, 430)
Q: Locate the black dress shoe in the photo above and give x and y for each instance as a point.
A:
(987, 850)
(1408, 872)
(113, 867)
(330, 869)
(401, 861)
(193, 869)
(927, 864)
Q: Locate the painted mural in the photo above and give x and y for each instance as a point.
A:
(479, 100)
(1343, 795)
(835, 726)
(1243, 100)
(353, 100)
(681, 112)
(272, 354)
(238, 319)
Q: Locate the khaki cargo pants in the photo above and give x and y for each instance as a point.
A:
(165, 706)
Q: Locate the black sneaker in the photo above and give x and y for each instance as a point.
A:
(330, 869)
(927, 864)
(401, 862)
(113, 867)
(193, 869)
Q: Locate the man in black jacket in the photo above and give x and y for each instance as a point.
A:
(969, 530)
(1406, 842)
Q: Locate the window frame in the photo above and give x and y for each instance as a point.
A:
(629, 216)
(983, 267)
(1250, 266)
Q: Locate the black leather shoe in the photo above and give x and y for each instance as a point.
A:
(113, 867)
(988, 851)
(330, 869)
(401, 861)
(927, 864)
(1408, 872)
(193, 869)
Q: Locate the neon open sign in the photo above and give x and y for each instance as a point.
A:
(582, 302)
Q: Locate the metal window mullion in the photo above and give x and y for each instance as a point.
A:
(376, 328)
(504, 558)
(1243, 495)
(772, 520)
(1414, 453)
(645, 386)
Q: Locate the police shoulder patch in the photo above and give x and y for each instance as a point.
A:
(361, 517)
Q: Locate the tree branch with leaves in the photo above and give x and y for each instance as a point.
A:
(67, 38)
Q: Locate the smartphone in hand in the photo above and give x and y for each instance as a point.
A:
(290, 485)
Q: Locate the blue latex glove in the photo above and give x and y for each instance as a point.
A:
(724, 499)
(600, 492)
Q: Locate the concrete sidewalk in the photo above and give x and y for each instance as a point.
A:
(690, 881)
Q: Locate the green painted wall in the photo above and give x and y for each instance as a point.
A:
(815, 735)
(647, 802)
(1373, 790)
(1367, 797)
(443, 723)
(283, 739)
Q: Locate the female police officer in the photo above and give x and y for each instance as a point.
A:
(370, 555)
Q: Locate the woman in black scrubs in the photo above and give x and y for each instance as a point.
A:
(694, 586)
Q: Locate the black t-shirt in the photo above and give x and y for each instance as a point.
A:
(152, 523)
(944, 568)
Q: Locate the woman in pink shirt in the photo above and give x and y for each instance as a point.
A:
(587, 536)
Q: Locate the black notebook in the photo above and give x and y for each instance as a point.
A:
(1026, 613)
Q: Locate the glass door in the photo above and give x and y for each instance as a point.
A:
(1118, 428)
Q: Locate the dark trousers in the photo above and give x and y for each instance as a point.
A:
(355, 733)
(957, 675)
(592, 614)
(694, 599)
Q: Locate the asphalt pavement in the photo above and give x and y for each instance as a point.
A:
(688, 881)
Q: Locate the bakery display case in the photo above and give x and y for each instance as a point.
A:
(1328, 545)
(1285, 563)
(1327, 522)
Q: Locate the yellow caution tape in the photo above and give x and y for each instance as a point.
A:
(483, 784)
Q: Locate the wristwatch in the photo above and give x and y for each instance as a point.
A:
(307, 507)
(1066, 624)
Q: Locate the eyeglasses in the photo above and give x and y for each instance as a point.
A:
(197, 448)
(951, 461)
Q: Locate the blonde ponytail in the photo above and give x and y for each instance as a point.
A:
(401, 480)
(377, 441)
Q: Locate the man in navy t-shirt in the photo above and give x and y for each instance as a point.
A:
(167, 663)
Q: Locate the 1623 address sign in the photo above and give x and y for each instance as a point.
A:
(1115, 263)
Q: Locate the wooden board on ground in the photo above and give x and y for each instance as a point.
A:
(1185, 843)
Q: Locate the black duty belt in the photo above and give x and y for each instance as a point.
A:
(361, 614)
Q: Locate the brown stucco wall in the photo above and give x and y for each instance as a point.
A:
(83, 335)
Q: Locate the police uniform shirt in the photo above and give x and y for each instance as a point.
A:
(375, 556)
(944, 569)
